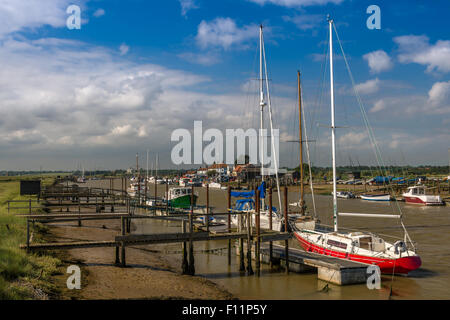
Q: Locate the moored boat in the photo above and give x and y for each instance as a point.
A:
(418, 195)
(181, 198)
(364, 247)
(376, 197)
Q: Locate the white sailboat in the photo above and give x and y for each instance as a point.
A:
(363, 247)
(248, 205)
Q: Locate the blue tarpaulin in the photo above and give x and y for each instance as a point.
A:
(250, 194)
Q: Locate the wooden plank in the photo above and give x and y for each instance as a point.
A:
(69, 245)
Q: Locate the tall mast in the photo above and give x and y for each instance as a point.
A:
(333, 128)
(146, 175)
(137, 163)
(300, 138)
(261, 102)
(156, 168)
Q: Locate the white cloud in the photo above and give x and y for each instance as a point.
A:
(305, 21)
(417, 49)
(224, 33)
(20, 15)
(296, 3)
(99, 12)
(439, 97)
(187, 5)
(205, 59)
(378, 61)
(123, 49)
(378, 106)
(368, 87)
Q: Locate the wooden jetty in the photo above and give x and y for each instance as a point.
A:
(248, 237)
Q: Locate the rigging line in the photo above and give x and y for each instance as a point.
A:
(271, 131)
(307, 154)
(371, 134)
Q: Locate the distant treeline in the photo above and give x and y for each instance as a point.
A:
(318, 172)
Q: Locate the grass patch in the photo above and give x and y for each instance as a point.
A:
(22, 275)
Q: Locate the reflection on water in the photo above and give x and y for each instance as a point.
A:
(428, 226)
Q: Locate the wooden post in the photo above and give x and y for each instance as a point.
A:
(29, 206)
(28, 234)
(191, 266)
(122, 220)
(167, 197)
(257, 222)
(286, 242)
(241, 245)
(229, 222)
(249, 245)
(207, 207)
(270, 228)
(184, 263)
(79, 212)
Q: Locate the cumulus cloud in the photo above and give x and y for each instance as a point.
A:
(417, 49)
(368, 87)
(378, 106)
(305, 21)
(296, 3)
(205, 59)
(20, 15)
(187, 5)
(123, 49)
(224, 33)
(378, 61)
(439, 97)
(99, 12)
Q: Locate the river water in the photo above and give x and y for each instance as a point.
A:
(428, 226)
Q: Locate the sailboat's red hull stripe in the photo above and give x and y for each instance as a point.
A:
(401, 266)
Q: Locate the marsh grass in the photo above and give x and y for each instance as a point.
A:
(22, 275)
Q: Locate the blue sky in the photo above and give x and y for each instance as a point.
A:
(137, 70)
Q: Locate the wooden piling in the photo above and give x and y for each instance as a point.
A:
(270, 228)
(207, 207)
(167, 197)
(79, 212)
(249, 244)
(28, 234)
(286, 242)
(229, 222)
(241, 245)
(257, 222)
(122, 220)
(184, 263)
(191, 267)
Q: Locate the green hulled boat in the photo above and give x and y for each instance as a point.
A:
(181, 198)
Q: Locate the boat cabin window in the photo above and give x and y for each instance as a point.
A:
(421, 191)
(364, 242)
(338, 244)
(372, 243)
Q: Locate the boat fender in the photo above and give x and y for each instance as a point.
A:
(399, 245)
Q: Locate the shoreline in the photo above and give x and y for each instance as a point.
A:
(148, 274)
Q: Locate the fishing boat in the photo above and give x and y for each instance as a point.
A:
(364, 247)
(418, 195)
(345, 195)
(181, 198)
(376, 197)
(215, 185)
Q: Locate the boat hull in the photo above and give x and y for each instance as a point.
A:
(183, 201)
(399, 266)
(384, 197)
(417, 200)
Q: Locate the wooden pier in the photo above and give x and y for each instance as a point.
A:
(66, 204)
